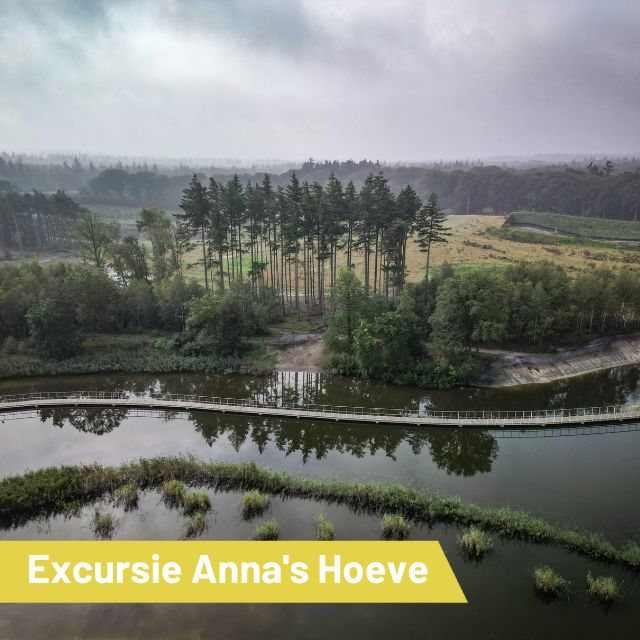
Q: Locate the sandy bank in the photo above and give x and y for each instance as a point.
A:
(604, 353)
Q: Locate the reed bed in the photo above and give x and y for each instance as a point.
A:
(39, 494)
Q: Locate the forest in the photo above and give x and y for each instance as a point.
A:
(264, 252)
(601, 188)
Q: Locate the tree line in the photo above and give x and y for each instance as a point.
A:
(292, 239)
(36, 222)
(428, 334)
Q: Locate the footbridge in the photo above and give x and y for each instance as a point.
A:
(368, 415)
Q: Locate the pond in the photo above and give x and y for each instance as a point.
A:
(586, 477)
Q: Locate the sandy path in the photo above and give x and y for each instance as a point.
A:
(307, 356)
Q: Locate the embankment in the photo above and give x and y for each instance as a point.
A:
(510, 370)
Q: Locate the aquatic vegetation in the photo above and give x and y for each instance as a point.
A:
(104, 524)
(324, 529)
(631, 554)
(549, 583)
(41, 493)
(394, 525)
(254, 503)
(267, 530)
(603, 588)
(173, 492)
(127, 496)
(196, 502)
(475, 543)
(195, 524)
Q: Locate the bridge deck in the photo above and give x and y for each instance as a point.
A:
(494, 419)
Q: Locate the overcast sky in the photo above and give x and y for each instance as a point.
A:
(389, 80)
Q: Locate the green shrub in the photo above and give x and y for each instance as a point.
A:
(173, 492)
(603, 588)
(324, 529)
(196, 502)
(267, 530)
(127, 496)
(103, 524)
(195, 524)
(254, 503)
(548, 582)
(475, 543)
(394, 526)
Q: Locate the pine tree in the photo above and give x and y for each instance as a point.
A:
(196, 206)
(430, 227)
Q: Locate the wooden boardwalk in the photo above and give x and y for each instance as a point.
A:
(369, 415)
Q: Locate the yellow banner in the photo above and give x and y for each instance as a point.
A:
(216, 571)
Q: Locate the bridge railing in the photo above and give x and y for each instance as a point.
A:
(551, 415)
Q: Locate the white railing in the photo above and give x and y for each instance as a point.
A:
(541, 416)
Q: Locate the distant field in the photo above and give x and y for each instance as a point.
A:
(479, 241)
(595, 228)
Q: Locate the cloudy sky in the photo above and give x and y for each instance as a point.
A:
(256, 79)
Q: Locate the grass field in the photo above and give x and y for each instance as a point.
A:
(480, 241)
(594, 228)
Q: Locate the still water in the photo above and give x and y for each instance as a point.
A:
(584, 477)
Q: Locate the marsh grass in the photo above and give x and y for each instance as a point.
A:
(631, 554)
(195, 524)
(196, 502)
(475, 543)
(548, 583)
(104, 524)
(394, 525)
(127, 496)
(325, 530)
(173, 492)
(53, 490)
(254, 503)
(267, 530)
(603, 588)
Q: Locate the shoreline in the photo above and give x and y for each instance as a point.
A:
(602, 354)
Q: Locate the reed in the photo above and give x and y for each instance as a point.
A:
(475, 543)
(127, 496)
(103, 524)
(325, 530)
(549, 583)
(41, 493)
(267, 530)
(603, 588)
(254, 503)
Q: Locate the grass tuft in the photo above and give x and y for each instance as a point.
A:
(631, 554)
(475, 543)
(127, 496)
(324, 528)
(394, 526)
(549, 583)
(173, 492)
(603, 588)
(267, 530)
(196, 502)
(195, 525)
(254, 503)
(104, 524)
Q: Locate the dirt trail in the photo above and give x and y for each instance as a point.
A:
(299, 352)
(517, 369)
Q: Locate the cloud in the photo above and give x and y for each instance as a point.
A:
(397, 80)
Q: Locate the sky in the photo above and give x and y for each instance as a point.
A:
(394, 80)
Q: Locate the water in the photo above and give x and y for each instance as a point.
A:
(587, 477)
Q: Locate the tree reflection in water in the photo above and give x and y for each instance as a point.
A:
(97, 421)
(458, 451)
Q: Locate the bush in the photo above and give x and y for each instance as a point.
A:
(173, 492)
(475, 543)
(267, 530)
(603, 588)
(324, 529)
(254, 503)
(547, 582)
(127, 496)
(196, 502)
(394, 526)
(195, 524)
(103, 524)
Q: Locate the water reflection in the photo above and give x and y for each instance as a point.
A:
(95, 420)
